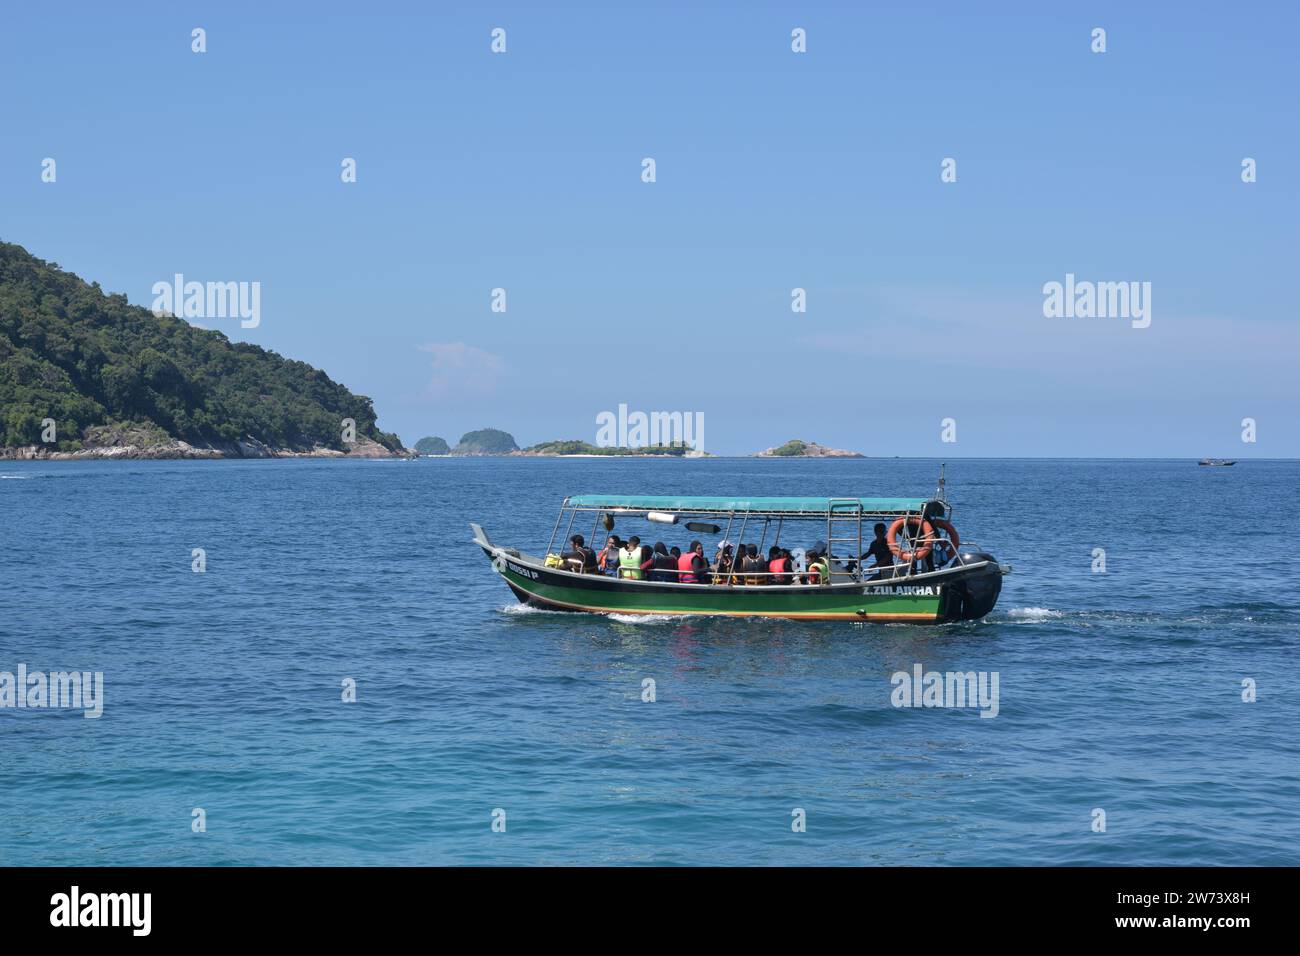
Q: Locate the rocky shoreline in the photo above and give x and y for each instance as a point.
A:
(177, 450)
(133, 445)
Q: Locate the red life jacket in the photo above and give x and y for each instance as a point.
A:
(777, 567)
(687, 563)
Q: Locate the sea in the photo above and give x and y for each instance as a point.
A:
(308, 662)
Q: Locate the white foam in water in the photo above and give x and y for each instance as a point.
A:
(1033, 614)
(526, 609)
(621, 618)
(646, 618)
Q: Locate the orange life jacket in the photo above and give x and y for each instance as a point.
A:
(777, 567)
(687, 563)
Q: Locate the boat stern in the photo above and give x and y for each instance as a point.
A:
(975, 594)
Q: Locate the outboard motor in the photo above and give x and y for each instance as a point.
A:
(980, 591)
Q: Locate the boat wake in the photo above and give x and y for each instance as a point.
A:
(1202, 617)
(517, 609)
(1013, 615)
(648, 619)
(1029, 615)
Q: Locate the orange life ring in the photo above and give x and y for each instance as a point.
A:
(907, 557)
(952, 532)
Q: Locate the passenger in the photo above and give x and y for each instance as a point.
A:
(692, 565)
(754, 566)
(778, 565)
(648, 554)
(633, 561)
(942, 552)
(607, 560)
(665, 566)
(879, 550)
(819, 569)
(798, 563)
(581, 559)
(738, 564)
(722, 566)
(818, 549)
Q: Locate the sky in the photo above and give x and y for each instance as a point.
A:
(774, 171)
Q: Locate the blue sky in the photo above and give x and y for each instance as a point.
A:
(775, 170)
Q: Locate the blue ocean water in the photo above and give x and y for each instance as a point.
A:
(1119, 691)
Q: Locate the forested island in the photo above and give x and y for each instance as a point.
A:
(86, 374)
(433, 446)
(485, 441)
(798, 448)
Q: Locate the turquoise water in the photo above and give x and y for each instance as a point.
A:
(1119, 691)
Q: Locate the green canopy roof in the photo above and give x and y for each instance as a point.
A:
(689, 504)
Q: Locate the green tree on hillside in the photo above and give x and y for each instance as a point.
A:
(432, 446)
(71, 353)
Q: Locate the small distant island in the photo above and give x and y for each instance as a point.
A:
(574, 447)
(798, 448)
(486, 441)
(433, 446)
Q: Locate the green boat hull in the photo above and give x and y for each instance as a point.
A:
(961, 593)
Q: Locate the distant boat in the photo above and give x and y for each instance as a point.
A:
(1217, 461)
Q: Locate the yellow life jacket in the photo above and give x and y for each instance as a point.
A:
(629, 564)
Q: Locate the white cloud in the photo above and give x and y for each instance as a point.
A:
(910, 332)
(460, 369)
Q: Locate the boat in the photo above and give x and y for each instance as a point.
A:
(1219, 462)
(918, 589)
